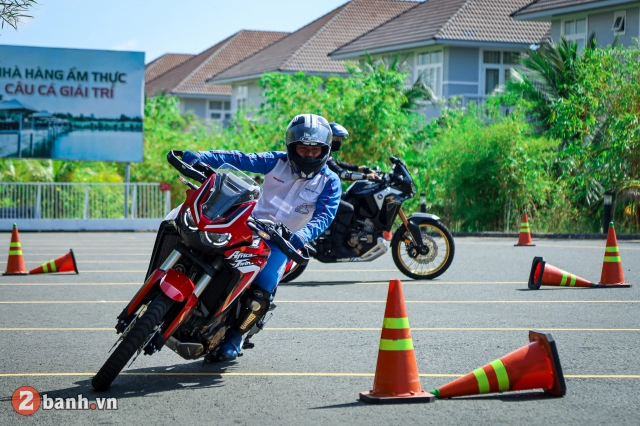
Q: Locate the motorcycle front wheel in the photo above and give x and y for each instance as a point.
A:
(131, 343)
(294, 273)
(427, 266)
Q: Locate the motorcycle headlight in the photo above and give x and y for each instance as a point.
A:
(214, 239)
(413, 188)
(188, 220)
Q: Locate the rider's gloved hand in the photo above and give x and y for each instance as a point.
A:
(190, 157)
(296, 241)
(373, 176)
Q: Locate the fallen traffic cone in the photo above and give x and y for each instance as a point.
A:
(397, 380)
(64, 263)
(612, 275)
(525, 232)
(544, 274)
(15, 262)
(533, 366)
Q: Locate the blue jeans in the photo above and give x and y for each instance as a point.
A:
(271, 275)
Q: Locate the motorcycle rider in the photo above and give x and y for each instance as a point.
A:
(299, 191)
(348, 172)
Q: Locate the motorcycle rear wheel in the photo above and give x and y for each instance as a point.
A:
(424, 267)
(131, 343)
(294, 273)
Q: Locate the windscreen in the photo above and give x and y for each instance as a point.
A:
(231, 188)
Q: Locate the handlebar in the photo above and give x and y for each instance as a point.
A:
(186, 169)
(271, 230)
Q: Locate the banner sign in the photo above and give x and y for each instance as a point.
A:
(71, 104)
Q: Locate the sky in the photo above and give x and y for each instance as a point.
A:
(157, 27)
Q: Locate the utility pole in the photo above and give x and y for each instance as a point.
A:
(127, 179)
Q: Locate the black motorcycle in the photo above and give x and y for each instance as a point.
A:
(422, 247)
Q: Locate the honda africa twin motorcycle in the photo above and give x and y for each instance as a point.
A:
(422, 247)
(202, 263)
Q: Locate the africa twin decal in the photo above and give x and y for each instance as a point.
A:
(239, 259)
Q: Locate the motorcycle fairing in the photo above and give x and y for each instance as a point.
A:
(235, 223)
(249, 261)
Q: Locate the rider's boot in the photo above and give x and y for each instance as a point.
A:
(255, 306)
(231, 346)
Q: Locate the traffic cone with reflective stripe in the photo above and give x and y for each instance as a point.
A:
(525, 232)
(64, 263)
(545, 274)
(612, 275)
(535, 366)
(15, 262)
(397, 380)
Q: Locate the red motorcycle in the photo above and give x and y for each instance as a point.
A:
(202, 262)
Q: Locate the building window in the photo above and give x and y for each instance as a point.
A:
(241, 98)
(496, 68)
(217, 109)
(619, 22)
(429, 68)
(576, 30)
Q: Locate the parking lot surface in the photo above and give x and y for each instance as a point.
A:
(320, 348)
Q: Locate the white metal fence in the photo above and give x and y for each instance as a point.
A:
(82, 201)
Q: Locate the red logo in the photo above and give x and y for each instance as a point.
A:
(281, 181)
(25, 400)
(165, 186)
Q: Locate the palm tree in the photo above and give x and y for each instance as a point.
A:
(549, 74)
(417, 94)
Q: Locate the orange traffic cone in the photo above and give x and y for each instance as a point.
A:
(15, 262)
(612, 275)
(544, 274)
(525, 232)
(397, 379)
(64, 263)
(533, 366)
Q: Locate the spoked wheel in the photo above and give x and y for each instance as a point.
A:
(429, 263)
(294, 273)
(132, 342)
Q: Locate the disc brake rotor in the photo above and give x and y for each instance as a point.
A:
(414, 252)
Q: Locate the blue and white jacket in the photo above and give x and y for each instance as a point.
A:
(307, 207)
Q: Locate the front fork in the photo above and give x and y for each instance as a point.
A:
(179, 290)
(414, 230)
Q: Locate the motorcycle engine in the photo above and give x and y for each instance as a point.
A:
(362, 239)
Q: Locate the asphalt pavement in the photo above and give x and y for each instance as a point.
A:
(320, 348)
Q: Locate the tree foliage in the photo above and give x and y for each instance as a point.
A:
(572, 132)
(11, 11)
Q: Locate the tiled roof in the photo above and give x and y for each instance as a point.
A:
(164, 63)
(307, 49)
(545, 5)
(460, 20)
(190, 76)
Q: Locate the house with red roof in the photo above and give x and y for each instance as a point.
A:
(307, 49)
(184, 76)
(460, 48)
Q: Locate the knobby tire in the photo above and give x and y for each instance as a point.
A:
(298, 270)
(131, 343)
(397, 245)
